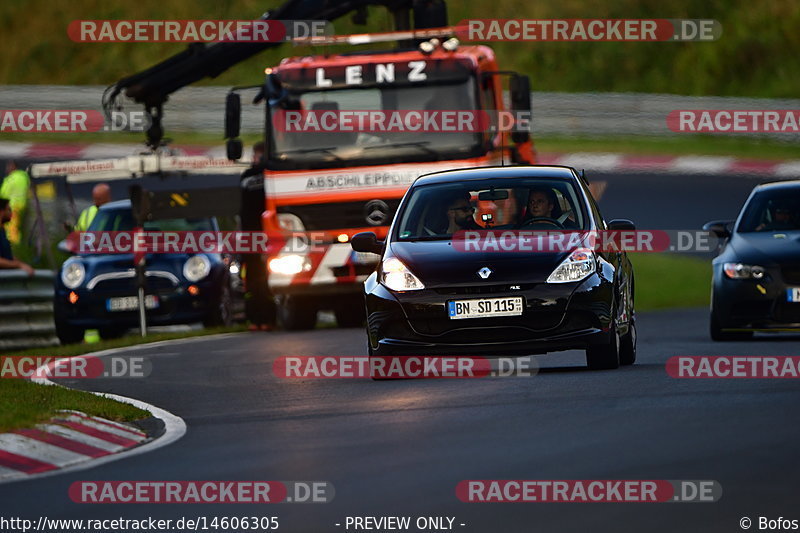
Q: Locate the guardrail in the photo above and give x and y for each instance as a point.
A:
(26, 310)
(554, 114)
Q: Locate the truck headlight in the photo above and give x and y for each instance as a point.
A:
(742, 271)
(397, 277)
(196, 268)
(73, 273)
(289, 265)
(577, 266)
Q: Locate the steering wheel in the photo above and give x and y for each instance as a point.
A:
(542, 220)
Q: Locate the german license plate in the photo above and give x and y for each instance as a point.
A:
(130, 303)
(793, 295)
(484, 307)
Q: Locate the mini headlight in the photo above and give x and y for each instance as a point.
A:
(72, 274)
(742, 271)
(579, 265)
(397, 277)
(196, 268)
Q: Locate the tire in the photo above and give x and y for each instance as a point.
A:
(69, 334)
(297, 313)
(627, 345)
(111, 333)
(715, 330)
(605, 356)
(221, 312)
(350, 316)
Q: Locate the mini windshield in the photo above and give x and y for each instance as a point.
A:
(772, 210)
(438, 211)
(122, 220)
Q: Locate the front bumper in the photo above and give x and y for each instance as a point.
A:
(176, 306)
(555, 317)
(755, 305)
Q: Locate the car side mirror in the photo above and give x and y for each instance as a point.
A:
(367, 241)
(720, 228)
(621, 224)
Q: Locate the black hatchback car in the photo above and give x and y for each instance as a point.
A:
(99, 291)
(756, 284)
(432, 295)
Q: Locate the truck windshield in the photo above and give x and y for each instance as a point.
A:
(302, 137)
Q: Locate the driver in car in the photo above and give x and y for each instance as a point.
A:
(543, 204)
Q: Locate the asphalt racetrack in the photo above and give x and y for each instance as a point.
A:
(399, 448)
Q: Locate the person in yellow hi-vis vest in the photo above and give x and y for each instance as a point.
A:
(101, 194)
(15, 187)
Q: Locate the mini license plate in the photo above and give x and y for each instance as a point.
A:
(484, 307)
(130, 303)
(793, 294)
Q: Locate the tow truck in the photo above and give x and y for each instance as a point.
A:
(336, 184)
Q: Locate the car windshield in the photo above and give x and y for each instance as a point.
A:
(314, 145)
(772, 210)
(434, 212)
(122, 220)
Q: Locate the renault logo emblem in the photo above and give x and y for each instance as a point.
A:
(376, 213)
(485, 272)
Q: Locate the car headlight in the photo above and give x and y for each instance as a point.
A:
(73, 273)
(579, 265)
(196, 268)
(742, 271)
(397, 277)
(289, 265)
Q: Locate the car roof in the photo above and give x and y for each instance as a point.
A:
(482, 173)
(777, 185)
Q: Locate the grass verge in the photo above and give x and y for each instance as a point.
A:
(26, 404)
(665, 281)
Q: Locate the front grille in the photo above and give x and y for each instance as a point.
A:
(339, 215)
(751, 309)
(128, 285)
(484, 289)
(791, 274)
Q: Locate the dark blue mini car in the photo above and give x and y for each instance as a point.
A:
(99, 291)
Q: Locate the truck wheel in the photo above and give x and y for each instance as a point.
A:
(69, 334)
(297, 313)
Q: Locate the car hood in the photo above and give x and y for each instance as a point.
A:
(442, 263)
(765, 248)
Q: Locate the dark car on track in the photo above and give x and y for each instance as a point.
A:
(756, 283)
(99, 291)
(430, 295)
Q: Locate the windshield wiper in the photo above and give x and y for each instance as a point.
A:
(312, 150)
(422, 145)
